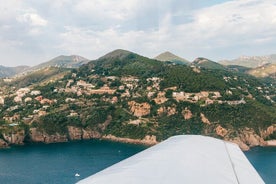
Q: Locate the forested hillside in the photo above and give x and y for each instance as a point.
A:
(127, 97)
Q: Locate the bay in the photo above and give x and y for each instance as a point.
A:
(58, 163)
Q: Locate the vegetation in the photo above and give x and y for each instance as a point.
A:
(97, 97)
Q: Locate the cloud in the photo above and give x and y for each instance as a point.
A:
(32, 19)
(235, 23)
(189, 28)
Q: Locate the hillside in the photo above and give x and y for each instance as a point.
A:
(11, 71)
(206, 63)
(268, 70)
(237, 68)
(62, 61)
(251, 61)
(38, 77)
(168, 56)
(123, 96)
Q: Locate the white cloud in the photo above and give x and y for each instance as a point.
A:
(235, 23)
(32, 19)
(92, 28)
(240, 18)
(108, 9)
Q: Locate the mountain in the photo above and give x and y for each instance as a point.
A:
(206, 63)
(121, 62)
(168, 56)
(267, 70)
(116, 54)
(251, 61)
(237, 68)
(11, 71)
(39, 77)
(73, 61)
(126, 97)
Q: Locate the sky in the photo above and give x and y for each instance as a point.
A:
(32, 32)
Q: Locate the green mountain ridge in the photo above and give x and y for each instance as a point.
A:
(206, 63)
(123, 96)
(168, 56)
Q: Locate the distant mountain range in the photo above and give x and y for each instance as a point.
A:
(251, 61)
(73, 61)
(258, 66)
(11, 71)
(267, 70)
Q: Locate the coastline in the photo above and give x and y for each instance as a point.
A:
(149, 140)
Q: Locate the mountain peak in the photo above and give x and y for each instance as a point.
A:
(206, 63)
(168, 56)
(201, 60)
(72, 61)
(118, 53)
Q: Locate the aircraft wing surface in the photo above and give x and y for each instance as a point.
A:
(184, 159)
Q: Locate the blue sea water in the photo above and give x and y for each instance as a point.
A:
(58, 163)
(264, 161)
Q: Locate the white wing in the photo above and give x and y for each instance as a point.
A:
(185, 159)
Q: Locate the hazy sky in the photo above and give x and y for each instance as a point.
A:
(33, 31)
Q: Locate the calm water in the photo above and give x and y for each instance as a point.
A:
(58, 163)
(264, 161)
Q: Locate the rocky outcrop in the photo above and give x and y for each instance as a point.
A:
(221, 131)
(240, 143)
(187, 114)
(160, 99)
(269, 131)
(247, 138)
(167, 110)
(204, 119)
(90, 134)
(3, 144)
(55, 138)
(270, 143)
(148, 139)
(139, 109)
(41, 136)
(74, 133)
(2, 100)
(14, 137)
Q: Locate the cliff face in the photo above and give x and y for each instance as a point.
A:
(3, 144)
(245, 139)
(248, 137)
(147, 140)
(14, 137)
(41, 136)
(76, 133)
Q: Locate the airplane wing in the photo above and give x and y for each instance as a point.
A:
(184, 159)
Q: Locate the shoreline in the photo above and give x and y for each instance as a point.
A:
(147, 141)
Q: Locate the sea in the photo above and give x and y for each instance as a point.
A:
(67, 163)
